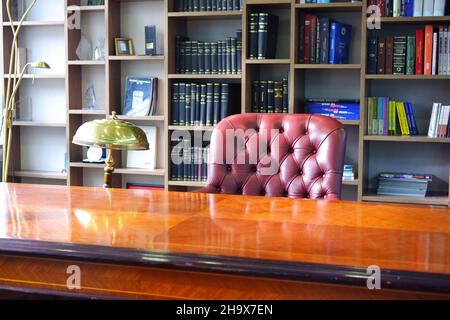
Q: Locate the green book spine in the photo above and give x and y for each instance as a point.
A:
(375, 116)
(369, 115)
(411, 55)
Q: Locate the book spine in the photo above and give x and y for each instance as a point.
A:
(301, 40)
(198, 115)
(194, 57)
(419, 51)
(418, 8)
(441, 51)
(262, 35)
(188, 57)
(150, 40)
(313, 36)
(372, 56)
(428, 51)
(224, 101)
(175, 104)
(187, 115)
(263, 98)
(399, 55)
(209, 104)
(182, 56)
(214, 58)
(381, 116)
(324, 39)
(182, 104)
(202, 5)
(278, 97)
(219, 57)
(410, 55)
(435, 51)
(233, 55)
(224, 57)
(439, 8)
(432, 125)
(207, 55)
(369, 115)
(194, 105)
(201, 57)
(307, 39)
(202, 121)
(196, 5)
(186, 159)
(228, 56)
(256, 93)
(270, 97)
(253, 36)
(381, 55)
(239, 57)
(216, 103)
(285, 95)
(318, 42)
(389, 55)
(428, 8)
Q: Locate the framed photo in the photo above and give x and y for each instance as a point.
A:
(124, 46)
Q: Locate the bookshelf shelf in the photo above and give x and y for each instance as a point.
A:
(137, 58)
(204, 76)
(86, 63)
(141, 118)
(38, 124)
(406, 77)
(144, 172)
(206, 14)
(192, 128)
(269, 2)
(350, 182)
(86, 8)
(37, 76)
(41, 174)
(194, 184)
(438, 199)
(337, 6)
(268, 61)
(355, 66)
(87, 112)
(350, 122)
(424, 139)
(414, 20)
(87, 165)
(35, 23)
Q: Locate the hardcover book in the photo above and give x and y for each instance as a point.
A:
(340, 35)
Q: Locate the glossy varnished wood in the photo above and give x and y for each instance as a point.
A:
(277, 231)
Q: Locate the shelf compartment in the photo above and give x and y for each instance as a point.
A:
(206, 14)
(41, 174)
(204, 76)
(137, 58)
(337, 6)
(437, 199)
(191, 128)
(406, 77)
(195, 184)
(268, 61)
(352, 66)
(38, 124)
(424, 139)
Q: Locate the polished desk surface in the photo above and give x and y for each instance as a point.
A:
(227, 233)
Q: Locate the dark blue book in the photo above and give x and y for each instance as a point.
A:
(194, 104)
(182, 104)
(324, 39)
(150, 40)
(216, 103)
(175, 104)
(202, 105)
(224, 99)
(409, 8)
(188, 106)
(340, 35)
(372, 55)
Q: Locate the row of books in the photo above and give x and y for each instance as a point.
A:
(189, 163)
(269, 96)
(337, 109)
(387, 117)
(439, 121)
(403, 184)
(262, 36)
(409, 8)
(219, 57)
(348, 174)
(322, 40)
(204, 104)
(428, 52)
(207, 5)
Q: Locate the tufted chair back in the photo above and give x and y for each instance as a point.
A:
(294, 155)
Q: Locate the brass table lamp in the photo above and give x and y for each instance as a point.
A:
(112, 134)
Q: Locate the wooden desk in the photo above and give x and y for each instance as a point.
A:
(142, 244)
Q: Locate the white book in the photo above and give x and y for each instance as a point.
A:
(439, 8)
(442, 120)
(433, 117)
(144, 159)
(428, 8)
(435, 53)
(447, 48)
(396, 8)
(418, 8)
(441, 51)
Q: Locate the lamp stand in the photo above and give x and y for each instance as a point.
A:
(109, 169)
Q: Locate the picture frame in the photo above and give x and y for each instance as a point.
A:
(124, 46)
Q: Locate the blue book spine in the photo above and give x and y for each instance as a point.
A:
(340, 34)
(410, 8)
(408, 118)
(413, 119)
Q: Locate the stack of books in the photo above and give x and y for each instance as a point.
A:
(403, 184)
(207, 5)
(189, 163)
(270, 96)
(409, 8)
(389, 118)
(348, 174)
(439, 121)
(322, 40)
(262, 36)
(219, 57)
(336, 109)
(203, 104)
(428, 52)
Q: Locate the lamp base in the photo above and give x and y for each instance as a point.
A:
(109, 169)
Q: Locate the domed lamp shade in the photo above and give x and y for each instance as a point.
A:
(111, 134)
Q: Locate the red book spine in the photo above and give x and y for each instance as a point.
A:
(419, 51)
(307, 38)
(382, 5)
(381, 55)
(428, 50)
(389, 55)
(313, 37)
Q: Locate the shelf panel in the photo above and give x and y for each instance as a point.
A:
(38, 124)
(268, 61)
(85, 62)
(439, 200)
(35, 23)
(269, 2)
(337, 6)
(38, 76)
(87, 165)
(204, 76)
(407, 139)
(414, 20)
(41, 174)
(130, 171)
(206, 14)
(86, 8)
(87, 112)
(192, 128)
(141, 118)
(196, 184)
(350, 122)
(355, 66)
(137, 58)
(350, 182)
(406, 77)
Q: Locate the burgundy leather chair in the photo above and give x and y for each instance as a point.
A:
(304, 157)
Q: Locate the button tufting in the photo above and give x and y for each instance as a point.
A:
(253, 168)
(281, 130)
(291, 150)
(228, 168)
(313, 151)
